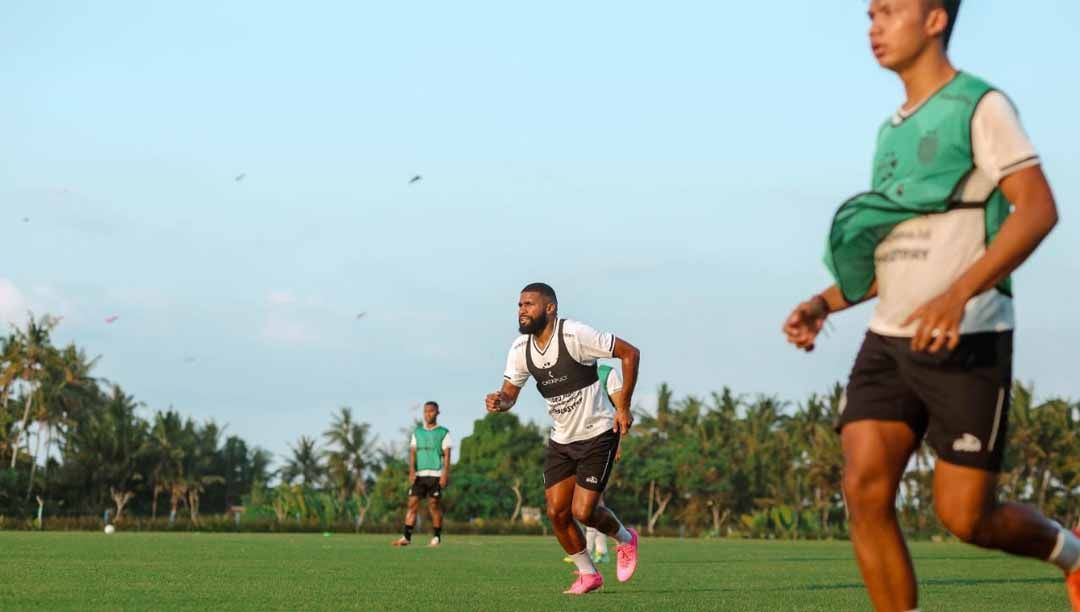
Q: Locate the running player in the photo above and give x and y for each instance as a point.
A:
(935, 242)
(429, 473)
(561, 354)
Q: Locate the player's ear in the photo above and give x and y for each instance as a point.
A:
(937, 22)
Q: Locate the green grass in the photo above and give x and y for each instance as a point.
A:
(139, 571)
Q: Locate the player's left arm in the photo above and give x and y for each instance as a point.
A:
(445, 478)
(630, 357)
(1034, 216)
(615, 399)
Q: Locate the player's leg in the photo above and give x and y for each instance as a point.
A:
(435, 507)
(559, 499)
(593, 473)
(965, 500)
(968, 394)
(875, 455)
(600, 550)
(410, 519)
(881, 423)
(560, 467)
(599, 547)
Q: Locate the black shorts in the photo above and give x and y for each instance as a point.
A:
(590, 460)
(424, 486)
(958, 400)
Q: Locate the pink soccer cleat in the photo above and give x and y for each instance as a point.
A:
(585, 583)
(1072, 586)
(626, 558)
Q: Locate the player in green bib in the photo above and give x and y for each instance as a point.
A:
(958, 201)
(429, 473)
(595, 540)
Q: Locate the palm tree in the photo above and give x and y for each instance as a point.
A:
(65, 387)
(304, 463)
(200, 445)
(24, 358)
(351, 454)
(165, 454)
(111, 446)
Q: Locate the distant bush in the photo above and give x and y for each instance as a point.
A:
(220, 523)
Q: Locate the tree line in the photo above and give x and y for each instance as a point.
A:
(727, 464)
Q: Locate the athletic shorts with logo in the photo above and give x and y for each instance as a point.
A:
(590, 461)
(424, 486)
(958, 399)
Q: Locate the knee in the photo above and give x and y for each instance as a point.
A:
(558, 516)
(967, 522)
(867, 491)
(584, 515)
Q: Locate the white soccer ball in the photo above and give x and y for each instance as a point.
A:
(109, 529)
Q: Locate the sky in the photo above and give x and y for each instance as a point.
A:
(670, 169)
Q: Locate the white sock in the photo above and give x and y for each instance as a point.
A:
(584, 562)
(590, 539)
(623, 537)
(1066, 553)
(601, 543)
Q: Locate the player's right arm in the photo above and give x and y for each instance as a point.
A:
(514, 377)
(807, 320)
(412, 464)
(503, 399)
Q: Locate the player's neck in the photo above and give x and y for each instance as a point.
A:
(544, 337)
(924, 76)
(430, 427)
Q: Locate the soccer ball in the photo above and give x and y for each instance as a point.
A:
(109, 529)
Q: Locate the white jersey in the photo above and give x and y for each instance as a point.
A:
(583, 414)
(953, 241)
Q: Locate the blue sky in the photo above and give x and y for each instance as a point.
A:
(671, 171)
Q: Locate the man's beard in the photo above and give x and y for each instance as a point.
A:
(536, 325)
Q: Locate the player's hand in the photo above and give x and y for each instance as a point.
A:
(493, 402)
(623, 420)
(805, 323)
(443, 481)
(939, 322)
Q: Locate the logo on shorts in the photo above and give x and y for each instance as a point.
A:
(592, 480)
(967, 444)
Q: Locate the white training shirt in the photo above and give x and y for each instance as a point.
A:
(446, 444)
(953, 241)
(589, 415)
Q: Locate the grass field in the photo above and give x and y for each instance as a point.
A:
(139, 571)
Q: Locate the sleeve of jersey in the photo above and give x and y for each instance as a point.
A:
(447, 443)
(590, 344)
(412, 441)
(1000, 144)
(614, 382)
(516, 370)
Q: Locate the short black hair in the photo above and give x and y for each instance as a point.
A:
(436, 404)
(543, 289)
(952, 9)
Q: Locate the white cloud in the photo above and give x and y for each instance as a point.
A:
(281, 329)
(281, 297)
(13, 304)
